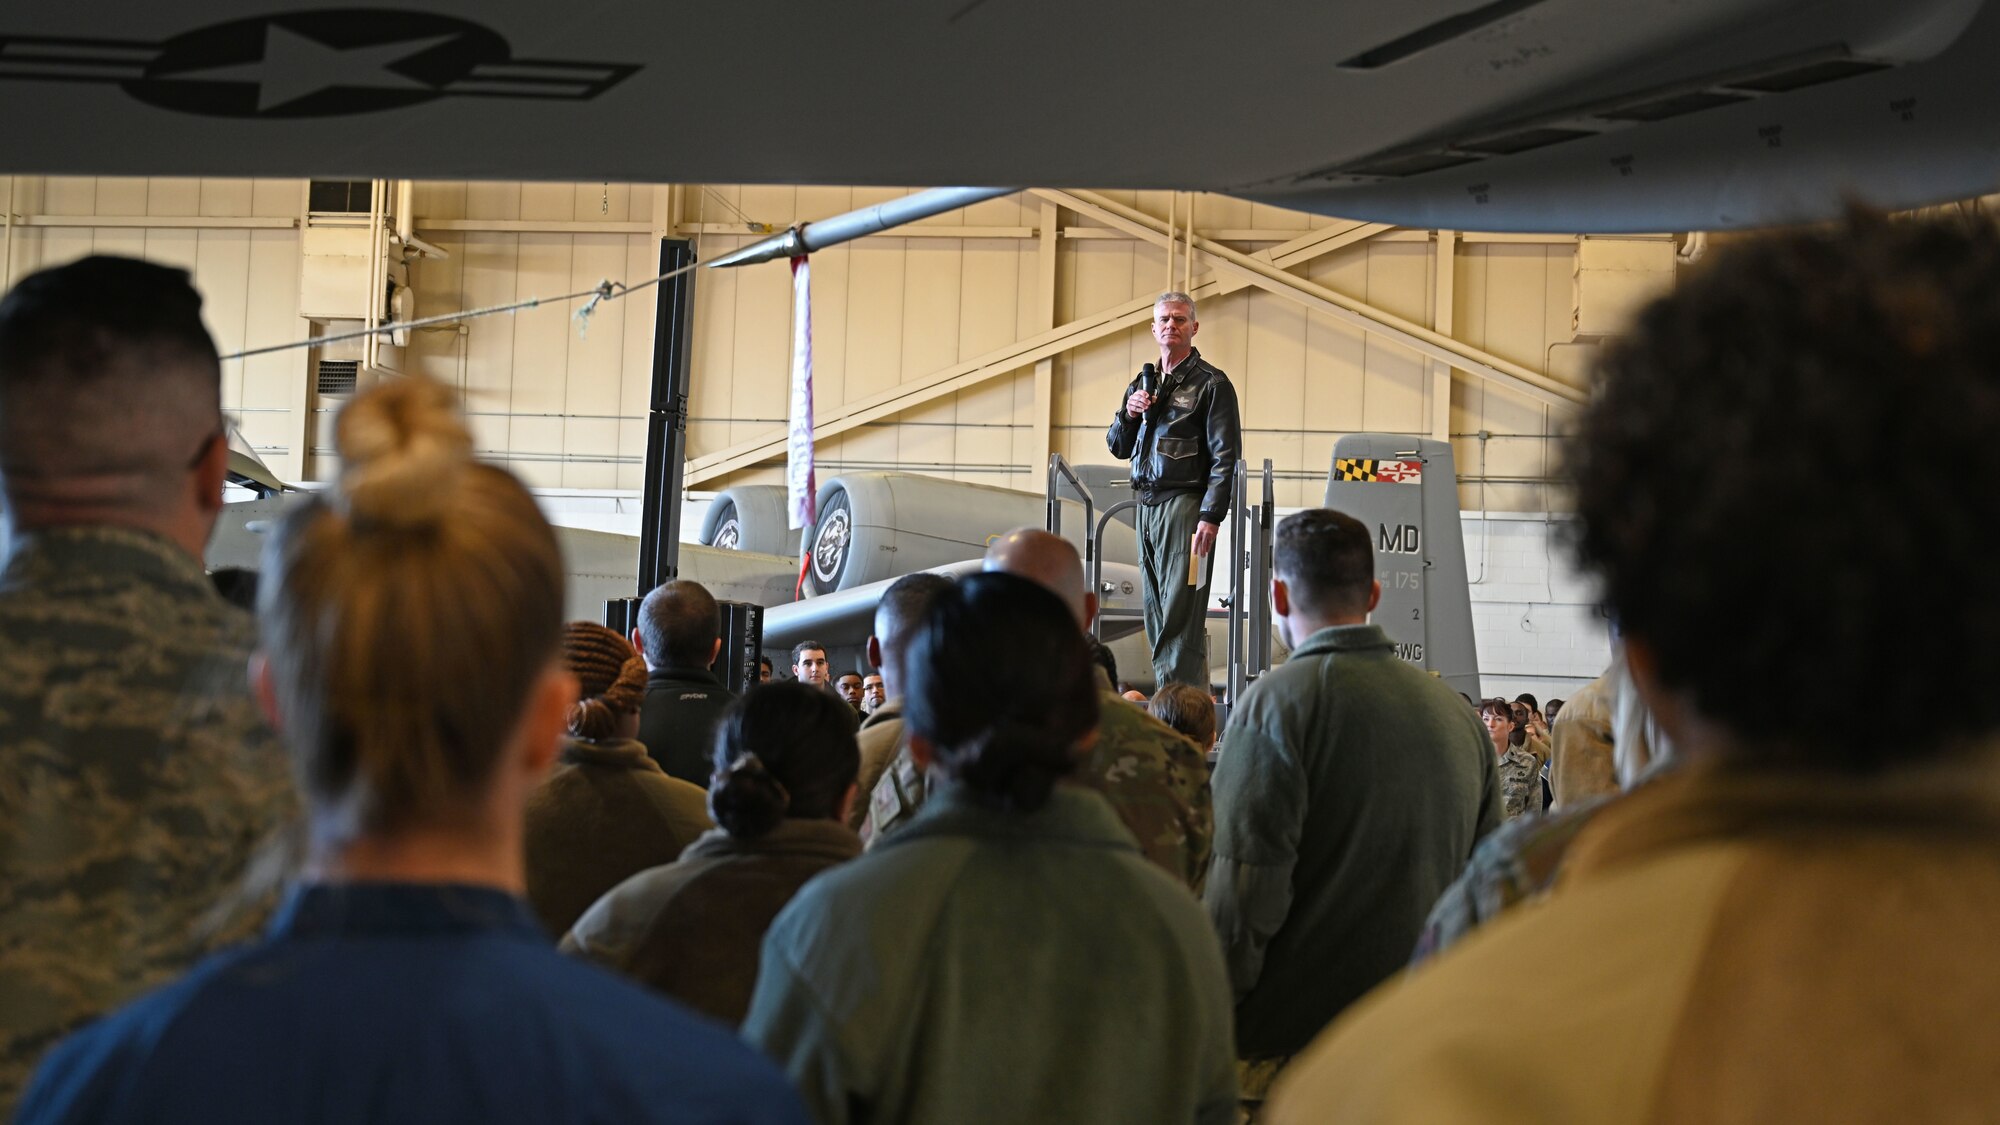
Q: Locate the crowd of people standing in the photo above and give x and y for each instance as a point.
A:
(540, 871)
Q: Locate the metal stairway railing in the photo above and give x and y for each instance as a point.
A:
(1251, 533)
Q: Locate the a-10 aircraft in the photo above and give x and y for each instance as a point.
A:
(1484, 115)
(875, 527)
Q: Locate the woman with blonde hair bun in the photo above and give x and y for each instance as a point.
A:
(607, 811)
(411, 618)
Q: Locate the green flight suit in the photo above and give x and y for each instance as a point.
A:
(1351, 791)
(1176, 613)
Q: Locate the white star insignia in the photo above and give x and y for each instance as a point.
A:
(295, 66)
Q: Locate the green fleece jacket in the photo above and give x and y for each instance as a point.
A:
(1350, 792)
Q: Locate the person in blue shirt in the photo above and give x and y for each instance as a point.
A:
(410, 620)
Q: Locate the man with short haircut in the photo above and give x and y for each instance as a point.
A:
(1351, 790)
(1187, 709)
(763, 669)
(1155, 779)
(874, 693)
(1179, 429)
(881, 738)
(809, 664)
(137, 778)
(849, 688)
(680, 635)
(1796, 923)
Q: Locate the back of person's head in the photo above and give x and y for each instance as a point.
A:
(903, 605)
(1777, 446)
(1002, 688)
(110, 391)
(611, 679)
(1049, 561)
(679, 623)
(1188, 709)
(783, 750)
(1326, 562)
(1103, 657)
(408, 614)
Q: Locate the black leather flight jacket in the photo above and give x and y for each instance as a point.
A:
(1189, 441)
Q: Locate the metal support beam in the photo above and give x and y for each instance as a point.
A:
(1358, 314)
(1043, 421)
(1444, 275)
(822, 233)
(666, 420)
(163, 222)
(1019, 354)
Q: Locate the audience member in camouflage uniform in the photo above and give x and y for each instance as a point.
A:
(1520, 760)
(883, 737)
(1155, 778)
(1511, 866)
(137, 779)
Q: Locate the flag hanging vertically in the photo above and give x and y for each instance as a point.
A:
(801, 486)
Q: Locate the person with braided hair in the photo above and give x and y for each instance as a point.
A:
(607, 811)
(785, 763)
(1011, 954)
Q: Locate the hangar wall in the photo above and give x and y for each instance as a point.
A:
(564, 408)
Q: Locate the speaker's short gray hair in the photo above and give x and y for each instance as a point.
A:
(1176, 297)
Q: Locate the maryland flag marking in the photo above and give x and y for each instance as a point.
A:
(1386, 472)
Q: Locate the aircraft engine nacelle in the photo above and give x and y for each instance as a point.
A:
(873, 526)
(750, 517)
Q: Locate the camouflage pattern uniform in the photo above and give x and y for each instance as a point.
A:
(137, 780)
(881, 741)
(1155, 778)
(1521, 778)
(1516, 863)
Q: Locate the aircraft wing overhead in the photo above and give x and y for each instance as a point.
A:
(1474, 113)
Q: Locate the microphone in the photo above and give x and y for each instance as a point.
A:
(1149, 381)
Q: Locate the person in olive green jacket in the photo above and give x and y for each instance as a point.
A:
(1155, 777)
(607, 811)
(1010, 956)
(1351, 789)
(784, 775)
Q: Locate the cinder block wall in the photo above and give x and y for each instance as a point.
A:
(1535, 620)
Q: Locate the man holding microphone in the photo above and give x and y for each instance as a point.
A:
(1179, 428)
